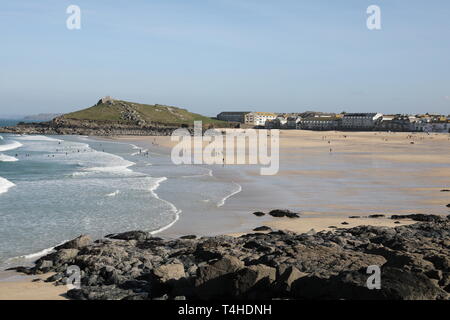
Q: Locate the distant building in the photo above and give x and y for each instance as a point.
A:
(360, 121)
(319, 123)
(395, 123)
(238, 116)
(292, 122)
(259, 118)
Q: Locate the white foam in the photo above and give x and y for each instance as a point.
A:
(1, 138)
(113, 194)
(36, 255)
(10, 146)
(222, 202)
(174, 209)
(113, 169)
(5, 185)
(5, 158)
(38, 138)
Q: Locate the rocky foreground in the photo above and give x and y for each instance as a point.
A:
(414, 261)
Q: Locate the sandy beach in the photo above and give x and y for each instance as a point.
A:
(15, 286)
(365, 173)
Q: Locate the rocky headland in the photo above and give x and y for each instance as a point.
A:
(414, 262)
(111, 117)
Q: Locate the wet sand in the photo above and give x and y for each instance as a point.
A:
(365, 173)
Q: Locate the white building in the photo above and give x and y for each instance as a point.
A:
(259, 118)
(360, 121)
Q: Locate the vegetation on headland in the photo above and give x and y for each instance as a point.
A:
(126, 112)
(117, 117)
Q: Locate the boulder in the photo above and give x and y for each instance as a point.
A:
(418, 217)
(130, 235)
(259, 214)
(77, 243)
(189, 237)
(65, 255)
(286, 276)
(253, 282)
(169, 272)
(283, 213)
(376, 216)
(263, 228)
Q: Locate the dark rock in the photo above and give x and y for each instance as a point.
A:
(345, 223)
(286, 276)
(283, 213)
(313, 265)
(252, 282)
(445, 190)
(418, 217)
(376, 216)
(263, 228)
(259, 214)
(130, 235)
(77, 243)
(354, 217)
(189, 237)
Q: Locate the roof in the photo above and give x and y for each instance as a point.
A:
(234, 112)
(370, 114)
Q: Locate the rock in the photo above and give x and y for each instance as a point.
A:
(354, 217)
(445, 190)
(376, 216)
(130, 235)
(65, 255)
(263, 228)
(448, 206)
(222, 267)
(259, 214)
(44, 264)
(169, 272)
(283, 213)
(286, 275)
(418, 217)
(313, 265)
(77, 243)
(345, 223)
(251, 281)
(189, 237)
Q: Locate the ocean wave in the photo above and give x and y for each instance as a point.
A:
(221, 203)
(34, 256)
(113, 169)
(209, 173)
(5, 158)
(113, 194)
(10, 146)
(1, 138)
(38, 138)
(5, 185)
(174, 209)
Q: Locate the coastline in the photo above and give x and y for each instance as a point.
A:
(251, 197)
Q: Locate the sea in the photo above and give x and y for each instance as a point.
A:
(54, 188)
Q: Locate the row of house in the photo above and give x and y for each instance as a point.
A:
(344, 121)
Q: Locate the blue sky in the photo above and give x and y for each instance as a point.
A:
(213, 55)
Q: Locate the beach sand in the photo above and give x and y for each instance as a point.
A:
(14, 286)
(365, 173)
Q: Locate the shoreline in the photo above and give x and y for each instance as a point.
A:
(241, 220)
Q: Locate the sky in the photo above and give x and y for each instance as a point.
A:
(226, 55)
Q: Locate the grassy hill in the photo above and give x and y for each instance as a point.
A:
(128, 112)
